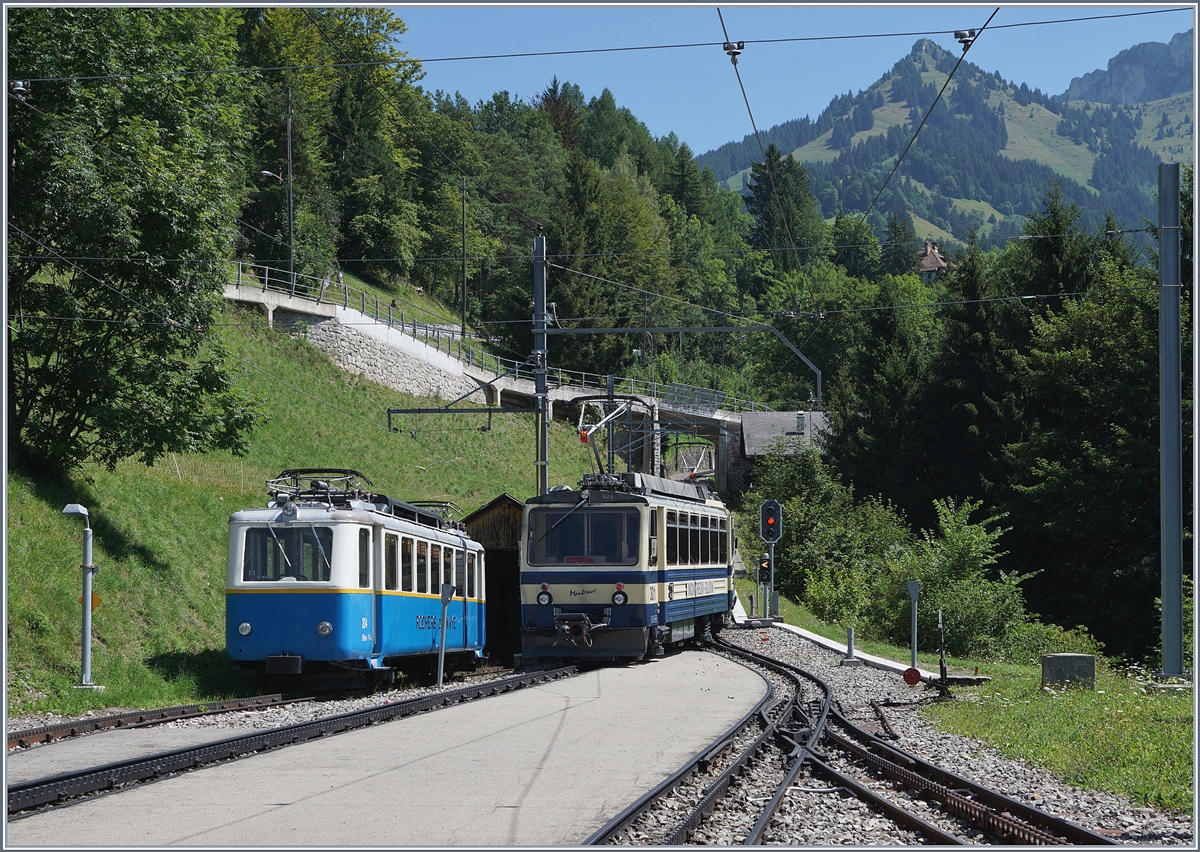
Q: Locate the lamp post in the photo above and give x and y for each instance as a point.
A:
(85, 677)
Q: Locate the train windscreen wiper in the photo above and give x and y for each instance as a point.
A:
(582, 499)
(282, 550)
(321, 547)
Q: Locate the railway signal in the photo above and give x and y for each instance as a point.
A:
(770, 521)
(764, 569)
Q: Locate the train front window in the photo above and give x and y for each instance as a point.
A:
(597, 536)
(282, 552)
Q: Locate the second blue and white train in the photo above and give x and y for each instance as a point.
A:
(622, 567)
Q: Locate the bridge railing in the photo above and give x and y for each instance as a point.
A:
(448, 338)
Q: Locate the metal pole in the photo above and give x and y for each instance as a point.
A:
(89, 570)
(1170, 421)
(464, 264)
(540, 355)
(914, 589)
(447, 593)
(86, 677)
(608, 409)
(774, 605)
(291, 218)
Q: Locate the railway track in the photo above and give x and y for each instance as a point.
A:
(126, 774)
(142, 718)
(708, 800)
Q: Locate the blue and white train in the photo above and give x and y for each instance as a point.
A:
(333, 584)
(622, 567)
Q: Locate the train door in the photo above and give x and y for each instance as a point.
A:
(454, 570)
(475, 579)
(372, 614)
(460, 588)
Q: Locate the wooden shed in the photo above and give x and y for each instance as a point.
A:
(497, 526)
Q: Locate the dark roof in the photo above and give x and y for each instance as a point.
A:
(504, 499)
(760, 429)
(931, 259)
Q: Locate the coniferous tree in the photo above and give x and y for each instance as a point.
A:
(686, 186)
(898, 254)
(787, 220)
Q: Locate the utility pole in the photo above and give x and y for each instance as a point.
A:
(1170, 416)
(463, 334)
(539, 356)
(291, 216)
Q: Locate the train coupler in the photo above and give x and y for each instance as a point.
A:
(576, 627)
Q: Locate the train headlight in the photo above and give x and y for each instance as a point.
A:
(620, 598)
(324, 628)
(244, 628)
(544, 598)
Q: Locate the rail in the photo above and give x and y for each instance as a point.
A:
(448, 338)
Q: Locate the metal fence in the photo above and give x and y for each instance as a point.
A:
(331, 289)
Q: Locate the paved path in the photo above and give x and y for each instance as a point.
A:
(543, 766)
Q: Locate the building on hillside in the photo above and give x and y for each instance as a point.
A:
(761, 430)
(932, 264)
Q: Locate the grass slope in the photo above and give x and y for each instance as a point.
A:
(159, 533)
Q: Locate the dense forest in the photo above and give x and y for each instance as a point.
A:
(152, 148)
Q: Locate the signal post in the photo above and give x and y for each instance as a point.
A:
(770, 529)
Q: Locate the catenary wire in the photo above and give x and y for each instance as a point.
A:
(581, 51)
(966, 47)
(400, 114)
(171, 323)
(733, 54)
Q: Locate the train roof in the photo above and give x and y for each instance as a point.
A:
(641, 484)
(343, 488)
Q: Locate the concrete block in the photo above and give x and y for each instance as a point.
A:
(1069, 669)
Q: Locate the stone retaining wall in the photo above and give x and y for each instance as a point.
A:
(355, 352)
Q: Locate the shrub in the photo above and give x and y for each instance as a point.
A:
(950, 568)
(1024, 644)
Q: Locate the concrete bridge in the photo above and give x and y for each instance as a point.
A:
(654, 409)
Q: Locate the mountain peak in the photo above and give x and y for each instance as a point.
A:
(1145, 72)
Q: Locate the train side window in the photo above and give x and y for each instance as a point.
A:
(391, 562)
(406, 564)
(447, 565)
(422, 567)
(714, 540)
(470, 575)
(694, 540)
(672, 539)
(460, 571)
(705, 543)
(724, 542)
(482, 576)
(364, 559)
(435, 567)
(685, 540)
(652, 557)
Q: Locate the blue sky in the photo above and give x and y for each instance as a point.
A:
(694, 91)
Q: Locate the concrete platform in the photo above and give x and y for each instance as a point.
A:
(544, 766)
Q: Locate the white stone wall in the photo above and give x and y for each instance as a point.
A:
(356, 352)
